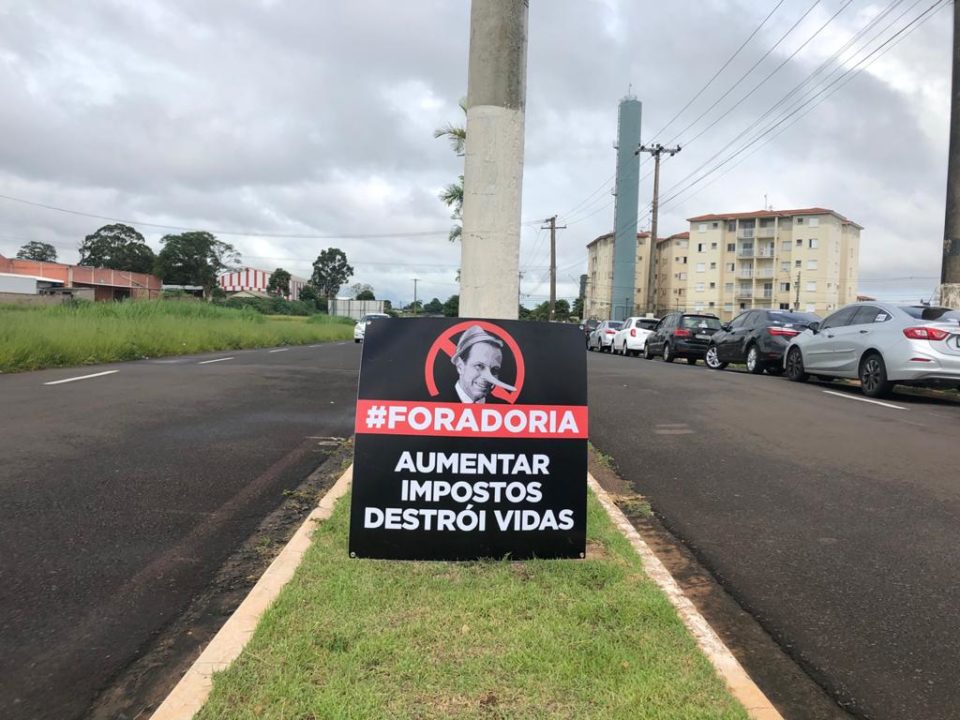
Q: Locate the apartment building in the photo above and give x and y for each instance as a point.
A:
(806, 259)
(730, 262)
(602, 299)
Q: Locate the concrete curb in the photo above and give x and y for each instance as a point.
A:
(757, 705)
(189, 695)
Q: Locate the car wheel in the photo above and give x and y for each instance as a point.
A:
(753, 360)
(795, 369)
(712, 360)
(668, 353)
(647, 352)
(356, 340)
(873, 376)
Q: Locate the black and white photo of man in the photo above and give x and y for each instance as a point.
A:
(478, 359)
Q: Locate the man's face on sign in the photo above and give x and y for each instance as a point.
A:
(482, 361)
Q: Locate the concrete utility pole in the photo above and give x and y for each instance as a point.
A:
(656, 151)
(415, 281)
(552, 227)
(796, 304)
(950, 267)
(493, 168)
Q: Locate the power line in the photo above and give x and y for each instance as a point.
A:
(718, 72)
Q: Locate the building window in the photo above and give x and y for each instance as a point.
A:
(728, 307)
(713, 266)
(728, 287)
(701, 267)
(699, 247)
(713, 286)
(699, 287)
(743, 306)
(731, 247)
(811, 264)
(713, 246)
(798, 263)
(811, 286)
(702, 228)
(799, 221)
(814, 244)
(784, 306)
(785, 266)
(784, 287)
(732, 226)
(731, 267)
(811, 307)
(799, 242)
(786, 246)
(683, 276)
(711, 304)
(699, 306)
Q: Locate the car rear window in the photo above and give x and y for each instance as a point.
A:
(615, 324)
(648, 324)
(692, 322)
(932, 314)
(792, 318)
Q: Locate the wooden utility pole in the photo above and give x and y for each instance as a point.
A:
(552, 227)
(656, 151)
(950, 267)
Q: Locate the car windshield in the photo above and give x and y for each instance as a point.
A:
(792, 318)
(695, 322)
(931, 314)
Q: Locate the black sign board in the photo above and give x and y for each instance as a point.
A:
(471, 441)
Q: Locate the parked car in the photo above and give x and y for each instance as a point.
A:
(588, 326)
(758, 338)
(681, 335)
(881, 345)
(602, 336)
(360, 329)
(631, 338)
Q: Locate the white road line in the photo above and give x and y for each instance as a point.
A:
(673, 431)
(207, 362)
(280, 350)
(672, 425)
(866, 400)
(82, 377)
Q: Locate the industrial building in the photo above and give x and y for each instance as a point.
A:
(26, 278)
(253, 282)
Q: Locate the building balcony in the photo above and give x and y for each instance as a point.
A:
(746, 274)
(766, 232)
(764, 273)
(744, 292)
(746, 251)
(745, 232)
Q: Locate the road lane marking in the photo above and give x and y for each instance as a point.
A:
(866, 400)
(207, 362)
(280, 350)
(673, 429)
(82, 377)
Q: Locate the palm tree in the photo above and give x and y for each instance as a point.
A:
(452, 194)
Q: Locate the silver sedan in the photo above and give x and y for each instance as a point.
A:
(880, 344)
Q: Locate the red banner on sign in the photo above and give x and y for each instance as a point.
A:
(433, 419)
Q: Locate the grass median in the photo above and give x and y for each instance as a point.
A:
(32, 338)
(356, 639)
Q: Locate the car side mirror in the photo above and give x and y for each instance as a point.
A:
(814, 327)
(725, 326)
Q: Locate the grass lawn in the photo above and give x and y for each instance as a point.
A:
(578, 639)
(33, 337)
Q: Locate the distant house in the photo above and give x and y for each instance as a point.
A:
(34, 277)
(255, 281)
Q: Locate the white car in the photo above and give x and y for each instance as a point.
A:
(880, 344)
(360, 329)
(632, 337)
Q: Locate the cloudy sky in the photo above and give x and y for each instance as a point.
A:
(315, 119)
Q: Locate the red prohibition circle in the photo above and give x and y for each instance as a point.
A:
(445, 344)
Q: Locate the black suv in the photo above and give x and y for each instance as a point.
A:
(758, 338)
(682, 335)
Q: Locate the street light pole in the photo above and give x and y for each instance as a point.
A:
(950, 267)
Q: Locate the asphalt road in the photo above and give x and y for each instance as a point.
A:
(835, 522)
(121, 495)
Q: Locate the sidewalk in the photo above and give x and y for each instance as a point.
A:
(346, 638)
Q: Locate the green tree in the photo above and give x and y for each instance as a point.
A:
(561, 310)
(434, 306)
(118, 247)
(279, 283)
(416, 307)
(451, 308)
(362, 289)
(36, 250)
(194, 258)
(452, 194)
(577, 309)
(310, 295)
(330, 272)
